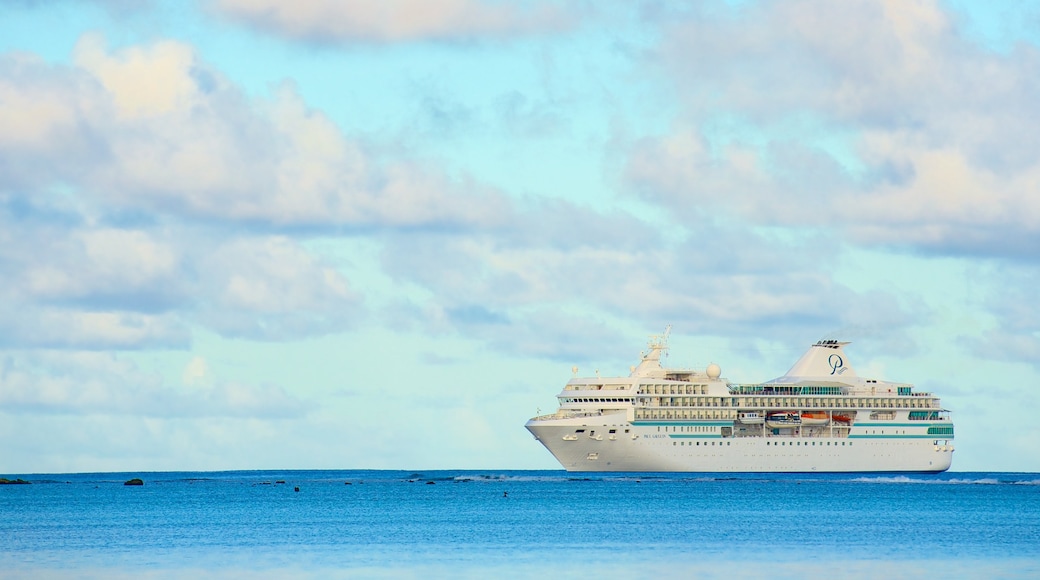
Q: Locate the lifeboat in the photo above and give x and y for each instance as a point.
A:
(842, 420)
(814, 418)
(750, 417)
(783, 420)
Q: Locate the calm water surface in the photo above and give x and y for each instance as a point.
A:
(520, 524)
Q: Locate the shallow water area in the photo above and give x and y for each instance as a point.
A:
(521, 524)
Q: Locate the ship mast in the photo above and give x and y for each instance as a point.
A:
(651, 360)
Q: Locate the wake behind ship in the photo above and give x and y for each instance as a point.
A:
(819, 417)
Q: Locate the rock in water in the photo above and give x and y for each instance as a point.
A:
(134, 481)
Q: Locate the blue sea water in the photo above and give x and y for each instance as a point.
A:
(520, 524)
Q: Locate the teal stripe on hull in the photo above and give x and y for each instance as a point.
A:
(901, 437)
(914, 424)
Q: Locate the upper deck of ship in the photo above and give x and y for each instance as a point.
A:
(823, 370)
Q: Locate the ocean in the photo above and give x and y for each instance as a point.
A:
(519, 524)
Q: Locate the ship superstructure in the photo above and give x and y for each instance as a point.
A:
(818, 417)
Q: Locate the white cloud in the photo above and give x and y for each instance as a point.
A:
(103, 384)
(29, 119)
(102, 287)
(100, 262)
(49, 327)
(934, 150)
(142, 81)
(154, 129)
(397, 20)
(153, 134)
(526, 296)
(271, 288)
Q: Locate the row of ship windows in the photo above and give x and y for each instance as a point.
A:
(642, 414)
(934, 430)
(771, 402)
(926, 415)
(807, 443)
(781, 443)
(939, 430)
(788, 402)
(784, 391)
(598, 400)
(703, 390)
(673, 389)
(688, 402)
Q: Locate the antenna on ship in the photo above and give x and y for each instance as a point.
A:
(661, 340)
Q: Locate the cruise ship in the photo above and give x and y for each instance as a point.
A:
(819, 417)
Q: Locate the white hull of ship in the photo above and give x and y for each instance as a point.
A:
(647, 449)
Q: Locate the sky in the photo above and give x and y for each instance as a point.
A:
(378, 234)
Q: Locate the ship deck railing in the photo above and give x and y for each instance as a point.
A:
(567, 415)
(789, 390)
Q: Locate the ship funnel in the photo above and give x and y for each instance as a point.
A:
(826, 358)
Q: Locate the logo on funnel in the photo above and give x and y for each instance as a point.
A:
(837, 365)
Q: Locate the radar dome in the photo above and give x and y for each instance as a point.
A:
(714, 371)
